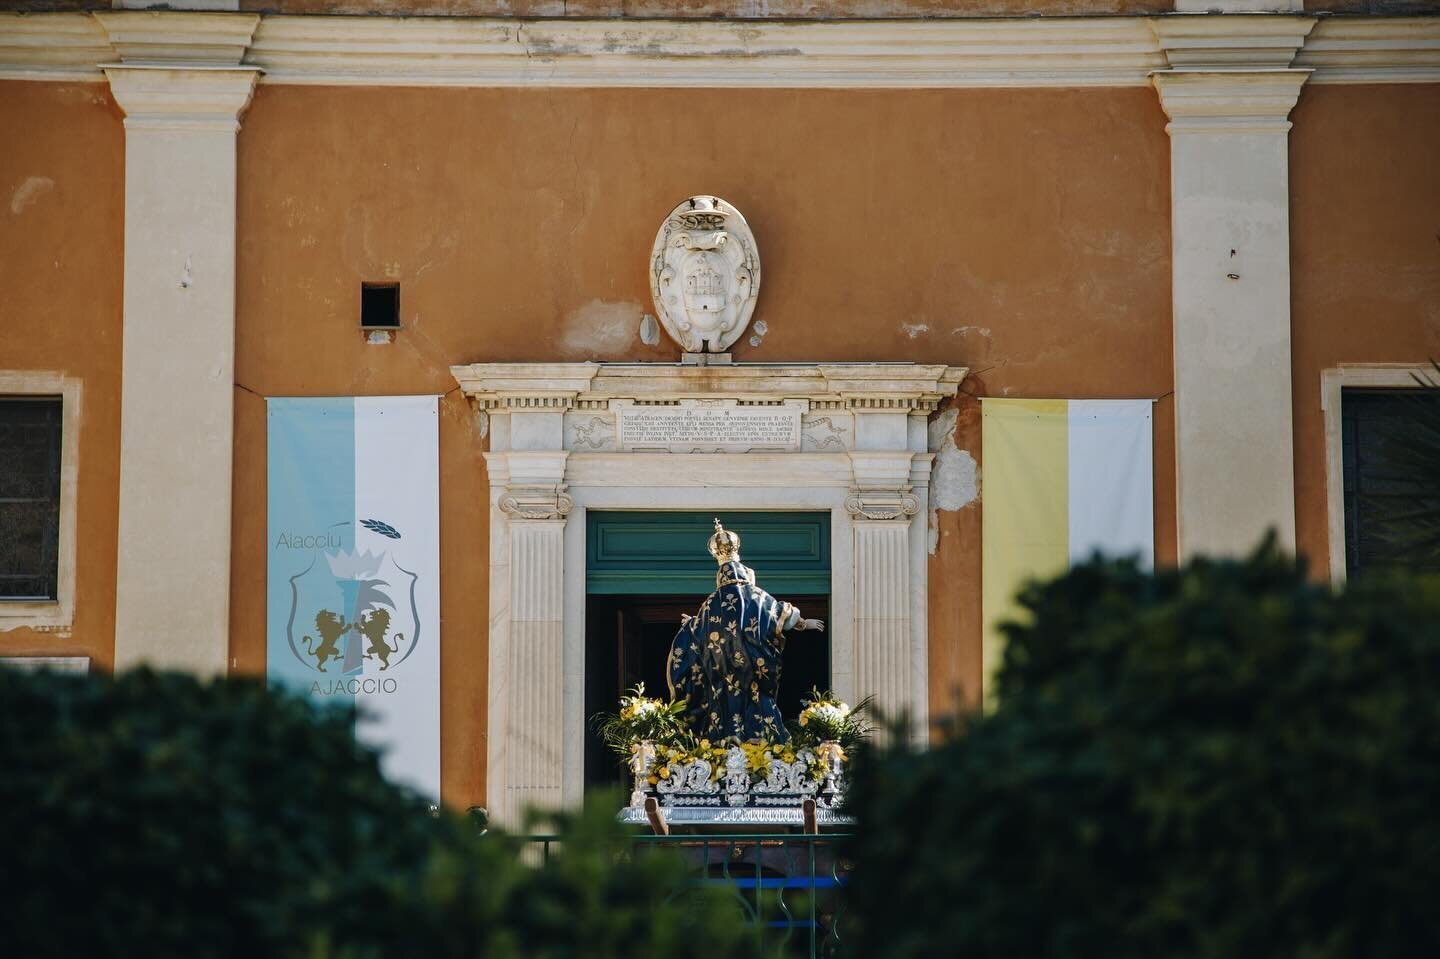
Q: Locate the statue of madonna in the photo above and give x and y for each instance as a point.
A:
(725, 661)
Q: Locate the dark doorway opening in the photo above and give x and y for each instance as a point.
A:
(627, 641)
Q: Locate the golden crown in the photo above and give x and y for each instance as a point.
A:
(724, 545)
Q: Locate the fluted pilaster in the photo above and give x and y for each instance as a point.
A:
(533, 729)
(883, 660)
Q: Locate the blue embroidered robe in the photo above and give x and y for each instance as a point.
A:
(725, 663)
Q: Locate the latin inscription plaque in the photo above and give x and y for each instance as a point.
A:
(705, 425)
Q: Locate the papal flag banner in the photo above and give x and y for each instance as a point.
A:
(1063, 479)
(353, 568)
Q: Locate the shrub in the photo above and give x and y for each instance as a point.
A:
(156, 815)
(1225, 760)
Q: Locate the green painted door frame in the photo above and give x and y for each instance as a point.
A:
(663, 552)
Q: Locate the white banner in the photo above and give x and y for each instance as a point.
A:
(353, 575)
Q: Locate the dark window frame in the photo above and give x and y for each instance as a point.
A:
(1366, 426)
(36, 579)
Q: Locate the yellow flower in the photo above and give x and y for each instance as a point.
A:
(664, 772)
(804, 719)
(704, 744)
(652, 780)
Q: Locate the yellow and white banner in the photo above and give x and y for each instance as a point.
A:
(1063, 479)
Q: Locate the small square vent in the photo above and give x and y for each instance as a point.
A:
(380, 306)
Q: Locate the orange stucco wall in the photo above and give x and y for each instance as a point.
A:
(62, 201)
(1365, 255)
(1022, 233)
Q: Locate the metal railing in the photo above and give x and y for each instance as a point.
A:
(790, 888)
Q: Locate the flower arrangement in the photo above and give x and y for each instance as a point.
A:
(826, 719)
(640, 718)
(651, 738)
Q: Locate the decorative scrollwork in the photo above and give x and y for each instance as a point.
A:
(823, 434)
(882, 504)
(785, 784)
(596, 433)
(536, 503)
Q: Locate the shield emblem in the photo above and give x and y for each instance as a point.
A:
(354, 613)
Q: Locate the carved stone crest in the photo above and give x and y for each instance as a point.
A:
(705, 274)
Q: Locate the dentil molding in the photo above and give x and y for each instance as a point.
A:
(470, 52)
(592, 387)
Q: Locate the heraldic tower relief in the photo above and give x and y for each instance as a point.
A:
(705, 274)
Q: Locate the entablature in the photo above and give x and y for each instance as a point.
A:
(1098, 51)
(597, 387)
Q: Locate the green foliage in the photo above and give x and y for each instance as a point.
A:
(156, 815)
(1226, 760)
(824, 716)
(640, 718)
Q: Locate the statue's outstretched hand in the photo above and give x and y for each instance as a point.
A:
(818, 625)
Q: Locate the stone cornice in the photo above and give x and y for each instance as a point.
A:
(558, 387)
(425, 51)
(1008, 53)
(1242, 42)
(1373, 50)
(171, 37)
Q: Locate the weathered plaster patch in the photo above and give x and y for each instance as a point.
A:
(28, 192)
(601, 329)
(914, 330)
(955, 477)
(967, 330)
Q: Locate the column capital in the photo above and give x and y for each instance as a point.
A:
(1229, 74)
(532, 503)
(882, 505)
(1228, 101)
(180, 70)
(156, 97)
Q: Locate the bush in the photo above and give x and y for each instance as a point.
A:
(1226, 760)
(156, 815)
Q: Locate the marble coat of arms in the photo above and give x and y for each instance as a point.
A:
(705, 274)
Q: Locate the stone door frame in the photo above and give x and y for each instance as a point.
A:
(554, 455)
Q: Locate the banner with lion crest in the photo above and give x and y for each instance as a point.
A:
(353, 567)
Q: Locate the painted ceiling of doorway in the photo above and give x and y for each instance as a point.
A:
(663, 553)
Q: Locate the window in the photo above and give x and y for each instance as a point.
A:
(39, 461)
(1380, 431)
(30, 448)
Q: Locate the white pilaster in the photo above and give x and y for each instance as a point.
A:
(882, 505)
(182, 108)
(533, 731)
(1228, 94)
(526, 723)
(882, 614)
